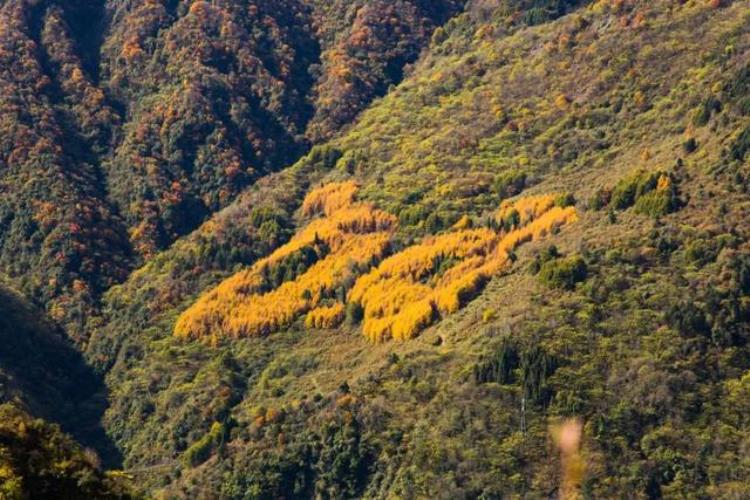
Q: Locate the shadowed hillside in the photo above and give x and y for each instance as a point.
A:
(43, 373)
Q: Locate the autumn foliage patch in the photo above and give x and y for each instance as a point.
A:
(412, 289)
(399, 298)
(350, 238)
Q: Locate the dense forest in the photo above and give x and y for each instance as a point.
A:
(127, 123)
(374, 248)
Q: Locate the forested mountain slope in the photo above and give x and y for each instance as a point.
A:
(635, 320)
(126, 123)
(60, 238)
(324, 293)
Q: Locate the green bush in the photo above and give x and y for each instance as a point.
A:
(623, 196)
(565, 200)
(703, 115)
(510, 183)
(499, 367)
(629, 189)
(201, 450)
(656, 203)
(511, 220)
(261, 215)
(325, 156)
(413, 215)
(354, 313)
(599, 199)
(537, 366)
(739, 91)
(741, 145)
(641, 190)
(564, 273)
(546, 255)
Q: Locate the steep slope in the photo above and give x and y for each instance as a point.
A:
(220, 93)
(215, 96)
(42, 373)
(635, 321)
(366, 47)
(126, 124)
(59, 237)
(336, 258)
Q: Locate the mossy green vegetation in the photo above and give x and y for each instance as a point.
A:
(652, 194)
(212, 442)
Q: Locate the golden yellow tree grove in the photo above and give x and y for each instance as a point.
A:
(406, 293)
(330, 198)
(355, 236)
(326, 316)
(528, 208)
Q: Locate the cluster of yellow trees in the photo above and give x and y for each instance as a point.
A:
(355, 235)
(398, 297)
(528, 208)
(407, 293)
(539, 227)
(401, 297)
(326, 316)
(330, 198)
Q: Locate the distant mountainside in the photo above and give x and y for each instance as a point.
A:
(127, 123)
(383, 249)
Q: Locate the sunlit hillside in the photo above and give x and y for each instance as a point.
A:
(378, 249)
